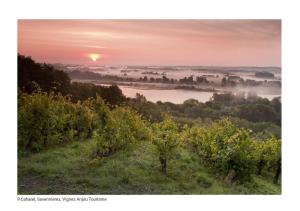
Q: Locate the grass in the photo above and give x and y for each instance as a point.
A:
(134, 170)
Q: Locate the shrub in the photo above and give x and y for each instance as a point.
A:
(225, 148)
(166, 138)
(268, 156)
(35, 122)
(123, 126)
(46, 120)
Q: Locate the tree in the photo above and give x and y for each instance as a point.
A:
(112, 95)
(224, 81)
(82, 91)
(147, 109)
(257, 112)
(46, 76)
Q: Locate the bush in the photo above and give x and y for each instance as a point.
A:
(123, 126)
(100, 111)
(46, 120)
(34, 121)
(268, 156)
(225, 148)
(166, 138)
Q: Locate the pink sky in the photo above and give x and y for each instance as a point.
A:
(153, 42)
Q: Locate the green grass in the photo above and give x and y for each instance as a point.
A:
(134, 170)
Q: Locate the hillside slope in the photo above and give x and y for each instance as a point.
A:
(135, 170)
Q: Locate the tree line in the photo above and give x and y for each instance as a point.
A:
(48, 79)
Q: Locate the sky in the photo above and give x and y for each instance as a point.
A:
(152, 42)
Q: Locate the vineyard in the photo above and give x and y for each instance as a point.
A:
(91, 147)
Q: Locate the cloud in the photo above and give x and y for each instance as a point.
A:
(160, 40)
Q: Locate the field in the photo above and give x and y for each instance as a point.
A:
(134, 170)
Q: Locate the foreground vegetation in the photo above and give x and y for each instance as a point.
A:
(134, 170)
(47, 122)
(107, 145)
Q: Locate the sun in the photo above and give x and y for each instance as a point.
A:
(94, 56)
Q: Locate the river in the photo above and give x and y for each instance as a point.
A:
(174, 95)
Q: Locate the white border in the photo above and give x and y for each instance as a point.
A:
(288, 11)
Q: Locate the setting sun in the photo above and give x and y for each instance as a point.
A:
(94, 57)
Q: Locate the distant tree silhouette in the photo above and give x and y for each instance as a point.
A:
(47, 78)
(44, 76)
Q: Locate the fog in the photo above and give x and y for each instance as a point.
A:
(147, 80)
